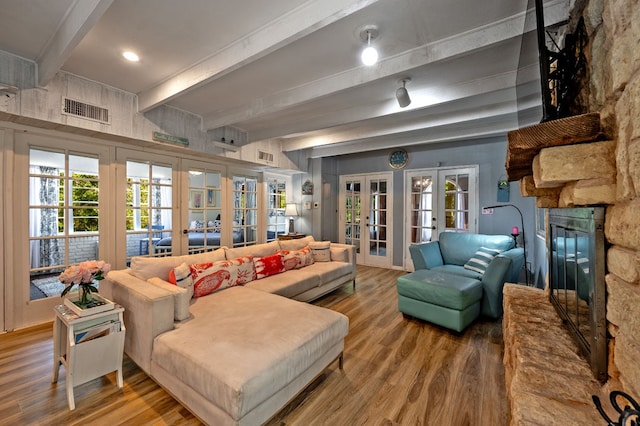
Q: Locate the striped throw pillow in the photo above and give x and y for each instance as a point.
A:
(481, 260)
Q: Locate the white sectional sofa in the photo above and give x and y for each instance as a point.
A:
(238, 355)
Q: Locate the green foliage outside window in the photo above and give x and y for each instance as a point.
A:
(143, 205)
(83, 203)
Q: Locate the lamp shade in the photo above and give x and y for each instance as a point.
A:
(291, 210)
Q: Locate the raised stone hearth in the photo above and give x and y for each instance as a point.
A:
(547, 381)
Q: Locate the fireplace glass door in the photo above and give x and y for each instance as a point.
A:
(576, 278)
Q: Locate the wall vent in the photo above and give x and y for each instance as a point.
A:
(85, 110)
(265, 156)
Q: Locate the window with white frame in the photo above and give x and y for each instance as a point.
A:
(63, 214)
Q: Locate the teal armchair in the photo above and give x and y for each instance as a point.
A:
(443, 291)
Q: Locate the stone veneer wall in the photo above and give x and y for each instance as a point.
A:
(607, 172)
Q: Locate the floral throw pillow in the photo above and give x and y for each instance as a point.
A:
(268, 265)
(210, 277)
(296, 259)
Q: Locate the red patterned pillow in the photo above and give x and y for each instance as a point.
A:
(246, 270)
(296, 259)
(210, 277)
(268, 265)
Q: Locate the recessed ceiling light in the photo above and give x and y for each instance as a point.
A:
(130, 56)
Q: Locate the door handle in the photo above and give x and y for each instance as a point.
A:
(185, 231)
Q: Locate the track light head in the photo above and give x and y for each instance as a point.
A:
(402, 95)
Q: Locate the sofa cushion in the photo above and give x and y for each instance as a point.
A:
(148, 267)
(268, 265)
(181, 297)
(296, 244)
(258, 250)
(321, 251)
(480, 261)
(242, 361)
(329, 271)
(289, 284)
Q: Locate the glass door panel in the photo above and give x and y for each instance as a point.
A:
(149, 201)
(276, 204)
(377, 222)
(422, 217)
(245, 210)
(63, 216)
(204, 223)
(456, 202)
(351, 189)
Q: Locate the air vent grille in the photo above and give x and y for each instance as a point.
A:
(265, 156)
(85, 110)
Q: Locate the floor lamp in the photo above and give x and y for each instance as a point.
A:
(524, 241)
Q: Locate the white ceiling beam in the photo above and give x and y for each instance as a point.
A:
(493, 122)
(492, 126)
(309, 17)
(78, 21)
(501, 86)
(449, 48)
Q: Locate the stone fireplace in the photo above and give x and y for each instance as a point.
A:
(576, 170)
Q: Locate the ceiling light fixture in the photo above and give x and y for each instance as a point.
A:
(402, 95)
(130, 56)
(369, 55)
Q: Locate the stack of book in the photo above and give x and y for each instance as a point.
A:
(97, 330)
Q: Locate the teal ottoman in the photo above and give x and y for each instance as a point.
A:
(436, 297)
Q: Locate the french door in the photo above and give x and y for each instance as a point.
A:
(365, 217)
(438, 200)
(61, 207)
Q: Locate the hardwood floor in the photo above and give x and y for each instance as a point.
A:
(397, 371)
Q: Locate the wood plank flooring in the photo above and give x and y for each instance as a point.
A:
(397, 371)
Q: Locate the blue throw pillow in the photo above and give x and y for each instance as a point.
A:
(481, 260)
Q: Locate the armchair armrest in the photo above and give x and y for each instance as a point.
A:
(426, 255)
(517, 260)
(492, 282)
(148, 313)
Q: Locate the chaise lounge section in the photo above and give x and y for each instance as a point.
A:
(237, 355)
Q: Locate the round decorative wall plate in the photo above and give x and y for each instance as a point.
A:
(398, 158)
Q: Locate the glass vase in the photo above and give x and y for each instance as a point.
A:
(85, 295)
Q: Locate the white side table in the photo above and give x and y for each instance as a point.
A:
(90, 359)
